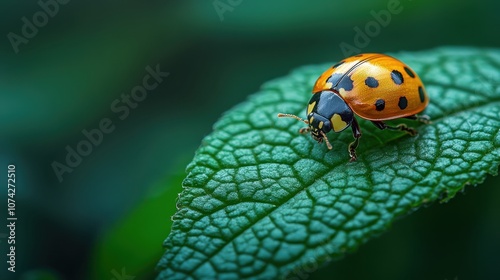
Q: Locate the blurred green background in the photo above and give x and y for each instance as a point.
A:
(108, 218)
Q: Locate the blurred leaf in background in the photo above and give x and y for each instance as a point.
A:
(84, 57)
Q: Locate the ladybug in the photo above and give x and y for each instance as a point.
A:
(373, 86)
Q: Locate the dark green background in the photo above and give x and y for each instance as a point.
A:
(65, 78)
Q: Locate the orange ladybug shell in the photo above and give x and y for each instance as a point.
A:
(377, 87)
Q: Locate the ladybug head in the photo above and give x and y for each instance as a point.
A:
(318, 126)
(328, 111)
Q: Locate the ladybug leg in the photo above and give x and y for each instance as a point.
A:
(304, 130)
(400, 127)
(420, 118)
(356, 133)
(326, 140)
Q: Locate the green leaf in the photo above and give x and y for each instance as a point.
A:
(261, 201)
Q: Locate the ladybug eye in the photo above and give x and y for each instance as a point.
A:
(326, 127)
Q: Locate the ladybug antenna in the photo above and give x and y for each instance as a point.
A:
(326, 140)
(281, 115)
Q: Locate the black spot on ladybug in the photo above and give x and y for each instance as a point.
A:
(403, 103)
(409, 72)
(397, 77)
(338, 64)
(341, 81)
(334, 79)
(346, 83)
(371, 82)
(380, 104)
(421, 94)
